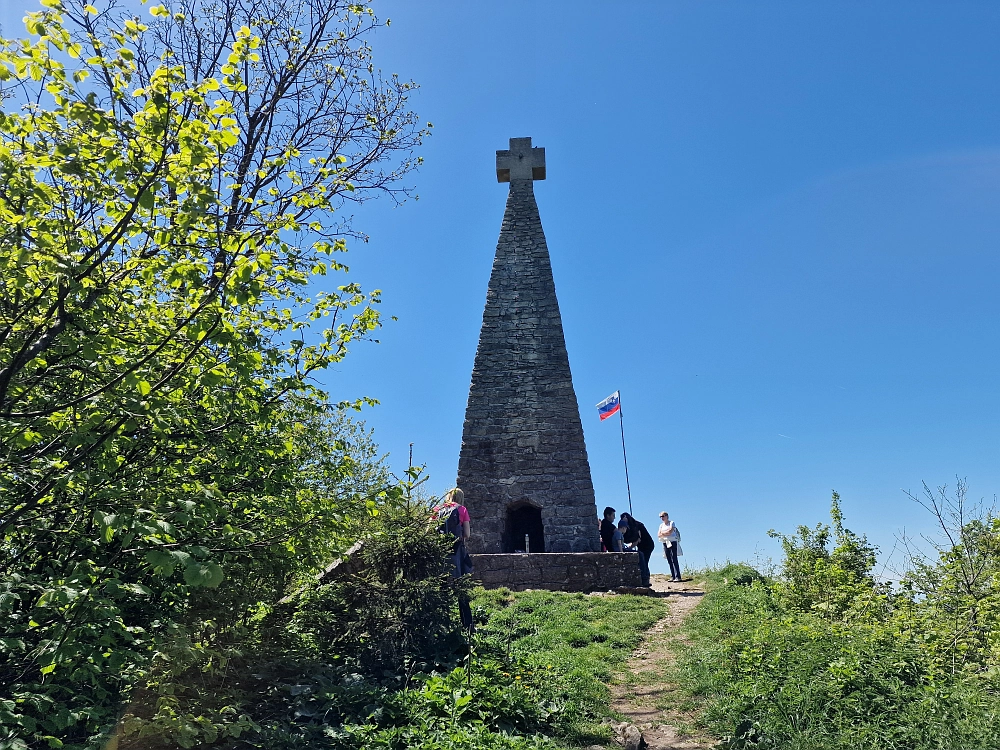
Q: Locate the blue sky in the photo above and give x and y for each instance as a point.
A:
(773, 226)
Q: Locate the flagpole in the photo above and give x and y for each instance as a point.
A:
(621, 421)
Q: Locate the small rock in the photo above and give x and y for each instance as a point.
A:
(633, 739)
(629, 737)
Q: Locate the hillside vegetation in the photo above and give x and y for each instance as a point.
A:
(824, 655)
(176, 193)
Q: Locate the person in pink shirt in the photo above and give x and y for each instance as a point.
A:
(453, 517)
(452, 501)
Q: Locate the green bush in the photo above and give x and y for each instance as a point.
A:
(396, 614)
(319, 658)
(825, 657)
(817, 578)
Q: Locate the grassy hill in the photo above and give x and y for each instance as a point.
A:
(817, 655)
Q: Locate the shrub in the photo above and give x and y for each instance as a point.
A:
(394, 616)
(322, 657)
(814, 577)
(827, 657)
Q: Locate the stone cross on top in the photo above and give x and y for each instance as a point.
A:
(521, 162)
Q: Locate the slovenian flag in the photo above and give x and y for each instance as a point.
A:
(609, 406)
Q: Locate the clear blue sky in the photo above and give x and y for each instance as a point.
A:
(773, 226)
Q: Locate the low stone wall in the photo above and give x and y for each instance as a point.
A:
(559, 571)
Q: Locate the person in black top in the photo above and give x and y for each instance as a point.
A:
(608, 529)
(637, 535)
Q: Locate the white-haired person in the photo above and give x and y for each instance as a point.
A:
(670, 537)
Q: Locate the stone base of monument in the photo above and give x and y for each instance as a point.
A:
(559, 571)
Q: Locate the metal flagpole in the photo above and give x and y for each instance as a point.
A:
(621, 421)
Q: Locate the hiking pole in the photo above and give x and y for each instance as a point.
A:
(468, 668)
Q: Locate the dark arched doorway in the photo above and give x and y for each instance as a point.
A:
(523, 519)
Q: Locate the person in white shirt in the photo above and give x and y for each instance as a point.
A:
(670, 536)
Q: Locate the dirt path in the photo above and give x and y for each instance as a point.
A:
(645, 695)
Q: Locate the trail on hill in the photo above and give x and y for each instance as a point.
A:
(645, 694)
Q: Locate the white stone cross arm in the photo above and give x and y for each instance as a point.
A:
(521, 162)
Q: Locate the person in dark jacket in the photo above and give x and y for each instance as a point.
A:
(608, 529)
(453, 516)
(639, 536)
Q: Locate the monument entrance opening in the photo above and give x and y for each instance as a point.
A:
(523, 520)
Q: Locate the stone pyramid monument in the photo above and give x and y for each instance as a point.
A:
(523, 464)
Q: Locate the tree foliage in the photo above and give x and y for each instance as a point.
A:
(953, 588)
(172, 191)
(818, 578)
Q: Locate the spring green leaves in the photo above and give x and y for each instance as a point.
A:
(196, 573)
(170, 194)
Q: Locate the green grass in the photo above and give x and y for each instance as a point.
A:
(766, 676)
(573, 642)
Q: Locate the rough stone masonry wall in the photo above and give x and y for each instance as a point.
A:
(522, 441)
(599, 571)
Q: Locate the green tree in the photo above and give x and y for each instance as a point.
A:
(169, 189)
(814, 577)
(953, 589)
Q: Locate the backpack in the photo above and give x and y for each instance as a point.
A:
(452, 524)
